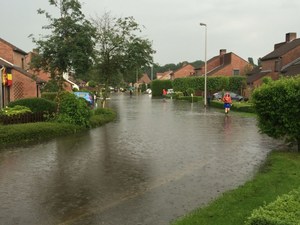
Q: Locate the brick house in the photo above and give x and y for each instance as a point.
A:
(14, 65)
(186, 70)
(164, 76)
(224, 64)
(283, 60)
(144, 79)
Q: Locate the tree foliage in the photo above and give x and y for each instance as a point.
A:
(119, 50)
(69, 45)
(277, 104)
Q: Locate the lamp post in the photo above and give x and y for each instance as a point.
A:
(205, 66)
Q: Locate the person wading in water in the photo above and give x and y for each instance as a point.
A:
(227, 102)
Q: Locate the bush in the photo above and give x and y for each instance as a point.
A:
(16, 110)
(283, 211)
(35, 104)
(102, 116)
(190, 91)
(277, 105)
(73, 110)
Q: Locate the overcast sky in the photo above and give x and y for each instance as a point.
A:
(248, 28)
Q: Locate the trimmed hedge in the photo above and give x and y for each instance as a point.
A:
(102, 116)
(159, 85)
(236, 106)
(18, 134)
(284, 211)
(35, 104)
(233, 83)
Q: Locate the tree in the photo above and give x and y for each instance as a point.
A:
(277, 104)
(119, 50)
(70, 44)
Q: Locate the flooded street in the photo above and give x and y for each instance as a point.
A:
(159, 160)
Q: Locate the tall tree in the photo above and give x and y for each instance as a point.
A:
(119, 49)
(69, 46)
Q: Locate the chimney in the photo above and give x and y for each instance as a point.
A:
(222, 53)
(290, 37)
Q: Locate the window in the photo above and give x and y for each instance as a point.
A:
(236, 72)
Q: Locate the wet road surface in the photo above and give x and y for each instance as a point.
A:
(159, 160)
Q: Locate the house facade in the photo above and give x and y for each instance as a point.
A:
(16, 82)
(186, 70)
(283, 60)
(224, 64)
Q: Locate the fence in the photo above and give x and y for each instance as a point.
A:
(22, 118)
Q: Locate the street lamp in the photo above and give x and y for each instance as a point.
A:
(205, 66)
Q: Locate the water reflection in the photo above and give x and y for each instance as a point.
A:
(159, 160)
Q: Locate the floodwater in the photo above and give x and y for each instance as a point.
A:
(159, 160)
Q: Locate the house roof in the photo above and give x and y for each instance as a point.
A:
(144, 79)
(16, 49)
(164, 76)
(186, 70)
(7, 64)
(257, 76)
(292, 68)
(283, 49)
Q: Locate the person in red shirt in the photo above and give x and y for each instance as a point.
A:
(164, 92)
(227, 102)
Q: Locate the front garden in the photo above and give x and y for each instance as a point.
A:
(67, 116)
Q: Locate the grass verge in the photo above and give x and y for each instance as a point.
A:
(279, 175)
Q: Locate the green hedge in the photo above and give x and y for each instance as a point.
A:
(19, 134)
(159, 85)
(190, 98)
(101, 116)
(35, 104)
(236, 106)
(214, 84)
(284, 211)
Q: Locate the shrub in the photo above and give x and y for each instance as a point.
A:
(277, 105)
(16, 110)
(35, 104)
(102, 116)
(283, 211)
(73, 110)
(190, 91)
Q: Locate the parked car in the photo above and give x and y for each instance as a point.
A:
(170, 91)
(234, 96)
(87, 96)
(149, 91)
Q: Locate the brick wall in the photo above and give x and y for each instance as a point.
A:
(22, 87)
(6, 52)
